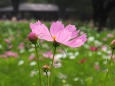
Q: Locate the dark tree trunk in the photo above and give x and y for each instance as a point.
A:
(15, 4)
(101, 10)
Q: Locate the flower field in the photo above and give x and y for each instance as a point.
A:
(83, 66)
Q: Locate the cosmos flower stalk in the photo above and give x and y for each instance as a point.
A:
(45, 69)
(112, 45)
(58, 35)
(33, 39)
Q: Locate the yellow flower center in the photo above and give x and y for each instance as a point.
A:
(54, 37)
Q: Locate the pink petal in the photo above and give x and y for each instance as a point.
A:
(83, 37)
(34, 25)
(42, 31)
(75, 34)
(67, 34)
(77, 42)
(55, 28)
(72, 28)
(64, 36)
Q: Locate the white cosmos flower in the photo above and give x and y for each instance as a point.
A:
(33, 72)
(33, 63)
(21, 62)
(91, 39)
(76, 53)
(0, 46)
(97, 42)
(86, 46)
(31, 50)
(76, 79)
(72, 57)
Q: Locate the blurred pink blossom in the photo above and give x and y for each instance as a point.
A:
(48, 55)
(12, 54)
(31, 57)
(110, 35)
(113, 58)
(7, 41)
(21, 46)
(3, 56)
(97, 67)
(104, 48)
(92, 48)
(10, 46)
(104, 39)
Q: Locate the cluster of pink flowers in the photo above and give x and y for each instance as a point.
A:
(68, 35)
(9, 54)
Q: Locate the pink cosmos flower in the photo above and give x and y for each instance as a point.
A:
(59, 34)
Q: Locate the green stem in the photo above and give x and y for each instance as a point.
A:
(47, 78)
(108, 67)
(38, 63)
(51, 72)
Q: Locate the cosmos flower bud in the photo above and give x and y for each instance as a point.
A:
(112, 44)
(45, 68)
(32, 37)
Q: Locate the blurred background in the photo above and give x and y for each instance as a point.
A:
(83, 66)
(99, 12)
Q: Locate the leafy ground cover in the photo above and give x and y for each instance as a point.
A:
(83, 66)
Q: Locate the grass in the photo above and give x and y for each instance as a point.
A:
(19, 71)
